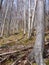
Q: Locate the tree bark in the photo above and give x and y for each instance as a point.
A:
(29, 29)
(24, 18)
(4, 20)
(39, 43)
(33, 16)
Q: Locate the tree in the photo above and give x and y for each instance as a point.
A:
(39, 43)
(4, 20)
(7, 12)
(1, 3)
(24, 17)
(29, 14)
(33, 15)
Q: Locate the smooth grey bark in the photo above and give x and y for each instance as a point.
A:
(24, 17)
(39, 43)
(17, 22)
(29, 27)
(17, 26)
(33, 16)
(10, 19)
(7, 12)
(4, 20)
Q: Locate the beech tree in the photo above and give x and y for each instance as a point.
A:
(33, 15)
(4, 20)
(24, 17)
(39, 43)
(29, 14)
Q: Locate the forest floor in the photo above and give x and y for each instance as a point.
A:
(15, 49)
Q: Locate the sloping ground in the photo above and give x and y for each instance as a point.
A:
(17, 42)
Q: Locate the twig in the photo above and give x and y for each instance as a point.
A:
(24, 49)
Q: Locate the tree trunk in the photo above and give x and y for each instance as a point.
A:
(39, 44)
(33, 16)
(17, 26)
(24, 18)
(29, 30)
(4, 20)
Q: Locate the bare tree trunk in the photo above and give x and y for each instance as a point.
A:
(11, 9)
(29, 31)
(33, 15)
(4, 20)
(17, 23)
(17, 26)
(24, 17)
(39, 44)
